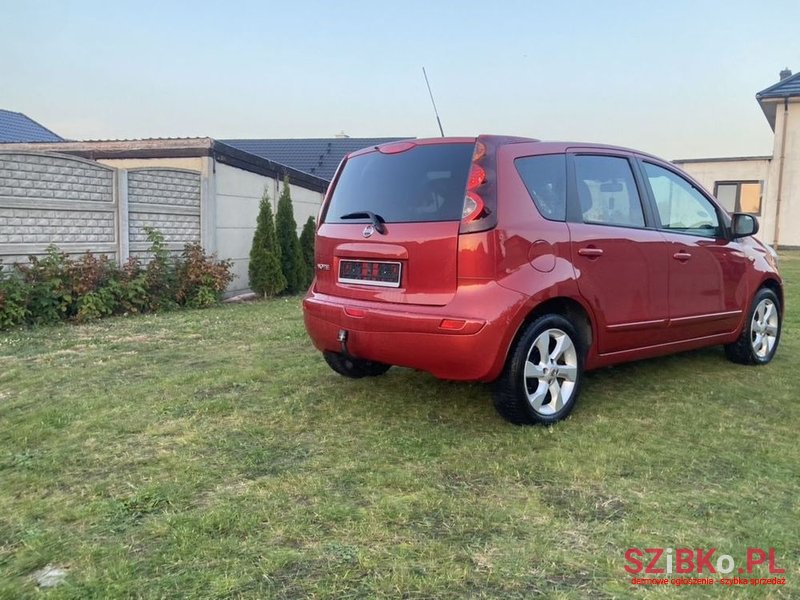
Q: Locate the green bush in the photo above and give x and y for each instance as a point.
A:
(286, 230)
(201, 279)
(307, 249)
(130, 288)
(14, 295)
(56, 287)
(160, 273)
(264, 270)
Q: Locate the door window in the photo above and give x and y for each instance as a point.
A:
(607, 191)
(681, 207)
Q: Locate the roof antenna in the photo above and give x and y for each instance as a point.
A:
(436, 112)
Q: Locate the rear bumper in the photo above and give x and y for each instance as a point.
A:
(414, 336)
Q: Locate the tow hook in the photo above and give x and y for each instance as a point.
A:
(342, 337)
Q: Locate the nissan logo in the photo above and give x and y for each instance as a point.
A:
(368, 231)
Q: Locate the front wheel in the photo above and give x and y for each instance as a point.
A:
(543, 374)
(761, 332)
(355, 368)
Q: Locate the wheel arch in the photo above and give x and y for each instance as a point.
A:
(568, 307)
(774, 285)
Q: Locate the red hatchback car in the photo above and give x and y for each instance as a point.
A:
(525, 263)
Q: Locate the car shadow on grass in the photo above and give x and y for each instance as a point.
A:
(408, 394)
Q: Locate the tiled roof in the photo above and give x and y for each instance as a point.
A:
(16, 127)
(316, 156)
(787, 88)
(770, 97)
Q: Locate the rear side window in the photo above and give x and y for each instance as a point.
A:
(545, 177)
(425, 183)
(607, 191)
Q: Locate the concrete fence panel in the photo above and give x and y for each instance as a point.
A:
(56, 199)
(165, 199)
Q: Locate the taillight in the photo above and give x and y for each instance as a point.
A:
(477, 176)
(474, 206)
(481, 194)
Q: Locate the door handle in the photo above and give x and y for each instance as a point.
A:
(591, 252)
(682, 256)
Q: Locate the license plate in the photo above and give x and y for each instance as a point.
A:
(369, 272)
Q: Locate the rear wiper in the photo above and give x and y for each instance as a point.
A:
(377, 220)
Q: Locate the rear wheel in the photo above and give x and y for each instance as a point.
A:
(354, 368)
(543, 374)
(761, 333)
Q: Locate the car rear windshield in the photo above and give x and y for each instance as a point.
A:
(425, 183)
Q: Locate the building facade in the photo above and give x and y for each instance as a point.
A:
(765, 186)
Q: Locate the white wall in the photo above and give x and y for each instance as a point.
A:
(789, 234)
(709, 172)
(237, 198)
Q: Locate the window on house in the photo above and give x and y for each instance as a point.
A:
(739, 196)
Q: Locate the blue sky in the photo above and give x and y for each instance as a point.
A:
(674, 78)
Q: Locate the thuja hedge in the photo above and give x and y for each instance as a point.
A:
(57, 287)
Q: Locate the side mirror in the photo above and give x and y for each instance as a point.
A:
(744, 225)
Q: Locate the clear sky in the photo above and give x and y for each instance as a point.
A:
(675, 78)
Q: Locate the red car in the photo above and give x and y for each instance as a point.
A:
(526, 263)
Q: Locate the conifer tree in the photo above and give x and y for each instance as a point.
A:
(266, 275)
(307, 248)
(286, 229)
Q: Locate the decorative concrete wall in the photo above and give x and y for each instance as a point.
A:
(53, 199)
(82, 205)
(164, 199)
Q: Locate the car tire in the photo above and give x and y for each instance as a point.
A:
(542, 377)
(761, 332)
(355, 368)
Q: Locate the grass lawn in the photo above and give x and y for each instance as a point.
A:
(214, 454)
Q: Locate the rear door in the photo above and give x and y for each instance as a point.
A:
(389, 229)
(619, 257)
(707, 283)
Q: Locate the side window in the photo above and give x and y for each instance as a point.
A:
(607, 191)
(545, 177)
(680, 206)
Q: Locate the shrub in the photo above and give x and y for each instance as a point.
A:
(96, 304)
(286, 230)
(201, 279)
(307, 248)
(160, 273)
(13, 299)
(56, 287)
(130, 288)
(50, 297)
(266, 275)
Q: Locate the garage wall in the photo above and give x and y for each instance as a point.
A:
(237, 198)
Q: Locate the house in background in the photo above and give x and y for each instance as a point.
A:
(16, 127)
(765, 186)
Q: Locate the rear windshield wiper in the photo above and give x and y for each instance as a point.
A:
(377, 220)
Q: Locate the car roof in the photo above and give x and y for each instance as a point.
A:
(547, 146)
